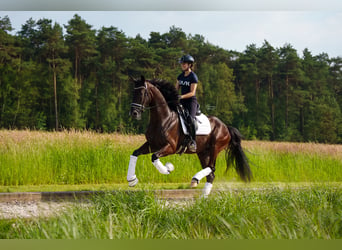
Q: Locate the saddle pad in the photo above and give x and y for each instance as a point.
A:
(203, 124)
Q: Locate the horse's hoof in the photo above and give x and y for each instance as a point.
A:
(169, 166)
(132, 183)
(194, 183)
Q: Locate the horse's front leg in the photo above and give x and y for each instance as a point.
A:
(131, 177)
(164, 151)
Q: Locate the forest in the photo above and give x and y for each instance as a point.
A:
(74, 77)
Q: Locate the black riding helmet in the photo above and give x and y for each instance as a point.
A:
(187, 59)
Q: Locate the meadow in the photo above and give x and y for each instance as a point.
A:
(71, 158)
(313, 213)
(296, 191)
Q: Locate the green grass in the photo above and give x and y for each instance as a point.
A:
(310, 213)
(219, 185)
(295, 167)
(296, 192)
(93, 187)
(84, 158)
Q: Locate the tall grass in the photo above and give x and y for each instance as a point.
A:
(314, 213)
(52, 158)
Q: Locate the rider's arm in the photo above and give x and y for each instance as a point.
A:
(192, 92)
(177, 85)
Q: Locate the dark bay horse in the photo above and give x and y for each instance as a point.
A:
(164, 135)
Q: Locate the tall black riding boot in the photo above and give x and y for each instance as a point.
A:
(192, 133)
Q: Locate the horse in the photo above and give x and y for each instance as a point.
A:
(164, 135)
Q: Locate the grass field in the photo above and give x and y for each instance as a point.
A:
(313, 213)
(296, 192)
(36, 159)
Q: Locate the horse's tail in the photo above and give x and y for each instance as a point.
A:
(235, 156)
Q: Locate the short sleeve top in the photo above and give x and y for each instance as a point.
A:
(186, 81)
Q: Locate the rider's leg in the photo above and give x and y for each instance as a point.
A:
(192, 126)
(189, 114)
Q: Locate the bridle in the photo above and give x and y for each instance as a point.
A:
(141, 107)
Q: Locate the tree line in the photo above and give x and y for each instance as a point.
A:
(80, 80)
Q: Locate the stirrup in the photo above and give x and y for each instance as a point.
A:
(192, 147)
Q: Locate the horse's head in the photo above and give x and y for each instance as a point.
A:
(140, 98)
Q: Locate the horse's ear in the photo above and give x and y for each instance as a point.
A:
(142, 78)
(132, 78)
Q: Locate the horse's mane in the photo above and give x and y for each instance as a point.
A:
(169, 92)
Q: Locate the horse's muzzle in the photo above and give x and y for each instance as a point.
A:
(136, 114)
(136, 110)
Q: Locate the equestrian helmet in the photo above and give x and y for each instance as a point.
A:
(187, 59)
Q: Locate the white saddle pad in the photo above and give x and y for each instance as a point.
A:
(203, 123)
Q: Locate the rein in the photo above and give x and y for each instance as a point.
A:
(136, 105)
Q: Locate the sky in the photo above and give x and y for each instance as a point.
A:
(318, 30)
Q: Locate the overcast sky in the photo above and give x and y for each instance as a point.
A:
(318, 30)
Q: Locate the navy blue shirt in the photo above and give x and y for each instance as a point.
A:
(186, 81)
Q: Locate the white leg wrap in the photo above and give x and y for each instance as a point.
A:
(203, 173)
(206, 190)
(131, 177)
(161, 168)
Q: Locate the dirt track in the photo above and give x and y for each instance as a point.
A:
(45, 204)
(42, 204)
(82, 195)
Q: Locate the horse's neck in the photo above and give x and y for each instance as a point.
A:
(160, 110)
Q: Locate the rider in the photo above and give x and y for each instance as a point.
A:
(187, 82)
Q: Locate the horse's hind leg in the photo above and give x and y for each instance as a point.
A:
(208, 162)
(209, 184)
(131, 177)
(208, 170)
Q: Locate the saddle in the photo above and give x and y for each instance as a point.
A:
(201, 121)
(202, 125)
